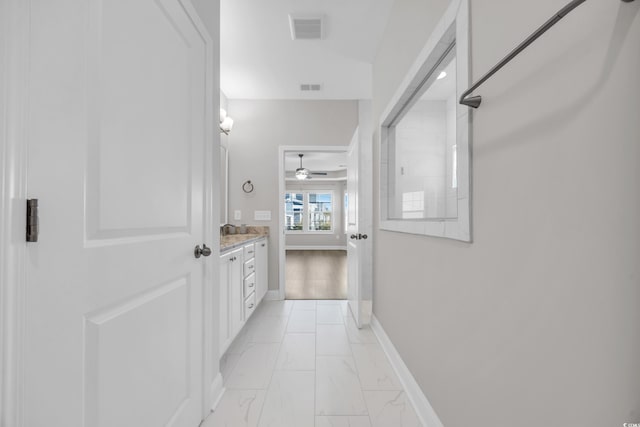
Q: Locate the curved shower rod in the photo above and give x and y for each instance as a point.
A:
(474, 101)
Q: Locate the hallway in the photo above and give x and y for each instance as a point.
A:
(305, 363)
(487, 193)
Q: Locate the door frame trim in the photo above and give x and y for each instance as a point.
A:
(282, 149)
(14, 68)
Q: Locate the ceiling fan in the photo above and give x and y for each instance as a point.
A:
(304, 173)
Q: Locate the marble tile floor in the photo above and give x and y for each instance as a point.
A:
(305, 363)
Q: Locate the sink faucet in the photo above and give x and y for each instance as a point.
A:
(224, 229)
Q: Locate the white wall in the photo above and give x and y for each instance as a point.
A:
(224, 103)
(536, 322)
(224, 146)
(337, 236)
(260, 127)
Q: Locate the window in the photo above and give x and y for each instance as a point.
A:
(309, 211)
(293, 210)
(424, 138)
(319, 210)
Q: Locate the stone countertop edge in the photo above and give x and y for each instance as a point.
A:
(233, 241)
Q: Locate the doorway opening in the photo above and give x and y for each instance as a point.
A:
(313, 255)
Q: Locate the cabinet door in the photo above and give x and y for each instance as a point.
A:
(262, 269)
(224, 331)
(231, 303)
(236, 301)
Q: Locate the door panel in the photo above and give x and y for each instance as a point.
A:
(137, 346)
(359, 219)
(354, 283)
(113, 333)
(133, 64)
(353, 264)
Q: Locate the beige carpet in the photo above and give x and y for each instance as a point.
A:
(316, 275)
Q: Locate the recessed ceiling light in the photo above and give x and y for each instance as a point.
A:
(442, 75)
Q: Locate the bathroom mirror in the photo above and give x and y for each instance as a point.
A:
(425, 133)
(224, 187)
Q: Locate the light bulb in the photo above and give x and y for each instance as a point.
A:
(227, 124)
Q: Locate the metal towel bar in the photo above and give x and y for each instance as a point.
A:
(474, 101)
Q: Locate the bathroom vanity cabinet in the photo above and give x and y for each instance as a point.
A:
(243, 284)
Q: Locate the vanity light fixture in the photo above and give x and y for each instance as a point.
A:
(226, 122)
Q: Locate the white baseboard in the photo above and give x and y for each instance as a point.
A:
(217, 391)
(421, 404)
(272, 295)
(315, 248)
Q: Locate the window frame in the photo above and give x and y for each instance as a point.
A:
(453, 28)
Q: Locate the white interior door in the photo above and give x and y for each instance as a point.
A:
(117, 128)
(359, 219)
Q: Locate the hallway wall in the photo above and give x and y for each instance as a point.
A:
(535, 322)
(260, 127)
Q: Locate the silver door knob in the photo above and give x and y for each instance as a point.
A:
(359, 236)
(204, 251)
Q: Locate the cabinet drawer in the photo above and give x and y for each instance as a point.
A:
(249, 267)
(249, 251)
(249, 305)
(249, 284)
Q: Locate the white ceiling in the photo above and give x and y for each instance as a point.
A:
(316, 161)
(259, 60)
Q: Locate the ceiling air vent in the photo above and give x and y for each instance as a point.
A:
(306, 27)
(310, 87)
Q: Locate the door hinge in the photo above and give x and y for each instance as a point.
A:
(32, 220)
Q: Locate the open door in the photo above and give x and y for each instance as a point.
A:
(359, 217)
(119, 155)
